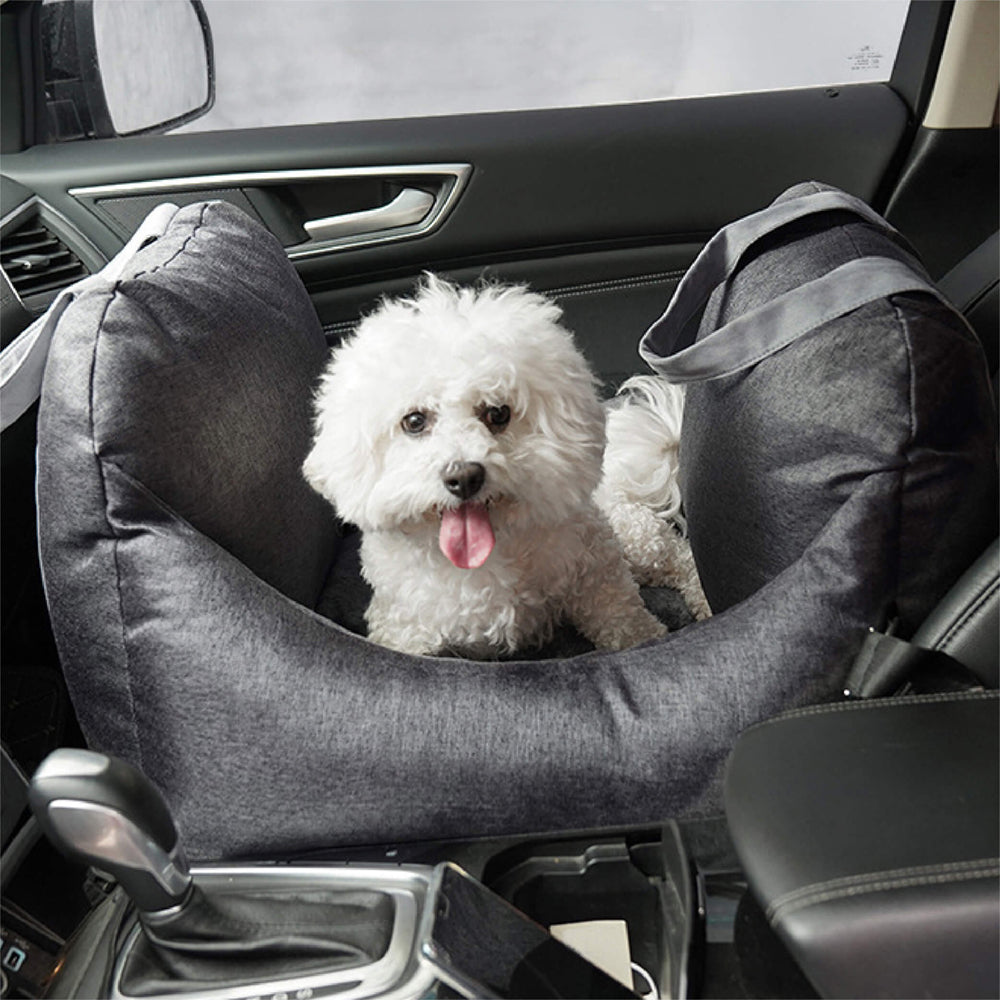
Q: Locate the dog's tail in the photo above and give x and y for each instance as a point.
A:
(640, 492)
(643, 442)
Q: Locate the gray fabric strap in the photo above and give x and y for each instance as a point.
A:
(761, 332)
(22, 363)
(669, 337)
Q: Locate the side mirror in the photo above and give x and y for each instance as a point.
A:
(114, 69)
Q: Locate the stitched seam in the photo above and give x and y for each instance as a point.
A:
(194, 232)
(872, 703)
(343, 325)
(592, 287)
(907, 447)
(566, 291)
(920, 699)
(967, 618)
(866, 878)
(115, 539)
(779, 913)
(882, 882)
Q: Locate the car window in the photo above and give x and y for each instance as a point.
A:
(303, 61)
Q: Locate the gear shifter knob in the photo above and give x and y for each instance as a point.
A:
(104, 812)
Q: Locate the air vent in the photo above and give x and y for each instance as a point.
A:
(38, 263)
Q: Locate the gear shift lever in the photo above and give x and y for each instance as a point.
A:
(104, 812)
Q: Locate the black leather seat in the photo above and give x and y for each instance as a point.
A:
(972, 285)
(966, 623)
(869, 829)
(868, 833)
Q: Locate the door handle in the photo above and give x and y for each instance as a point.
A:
(409, 207)
(412, 213)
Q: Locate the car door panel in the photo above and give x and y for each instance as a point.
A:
(602, 206)
(545, 177)
(608, 298)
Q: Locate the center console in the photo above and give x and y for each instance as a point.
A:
(379, 906)
(866, 832)
(619, 913)
(629, 899)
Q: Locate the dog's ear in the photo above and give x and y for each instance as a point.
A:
(567, 408)
(342, 465)
(557, 393)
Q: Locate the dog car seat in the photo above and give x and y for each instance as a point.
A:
(183, 559)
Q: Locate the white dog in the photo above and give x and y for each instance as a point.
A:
(462, 431)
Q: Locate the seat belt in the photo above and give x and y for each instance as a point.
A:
(22, 363)
(886, 665)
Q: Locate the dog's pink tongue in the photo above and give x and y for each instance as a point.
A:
(466, 536)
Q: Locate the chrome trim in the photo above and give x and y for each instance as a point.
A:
(409, 207)
(398, 975)
(452, 177)
(101, 833)
(70, 762)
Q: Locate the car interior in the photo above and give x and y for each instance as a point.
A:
(214, 785)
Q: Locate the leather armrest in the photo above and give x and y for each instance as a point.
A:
(869, 834)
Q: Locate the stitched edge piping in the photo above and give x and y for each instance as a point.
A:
(592, 287)
(166, 263)
(883, 881)
(112, 533)
(116, 540)
(860, 706)
(906, 451)
(341, 326)
(968, 617)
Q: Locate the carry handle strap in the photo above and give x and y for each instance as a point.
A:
(22, 362)
(759, 333)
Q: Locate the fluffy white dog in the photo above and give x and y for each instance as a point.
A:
(462, 431)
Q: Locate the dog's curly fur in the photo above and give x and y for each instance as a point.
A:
(486, 379)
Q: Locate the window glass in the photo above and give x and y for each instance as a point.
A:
(284, 62)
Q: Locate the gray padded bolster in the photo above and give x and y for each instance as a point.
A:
(869, 832)
(749, 338)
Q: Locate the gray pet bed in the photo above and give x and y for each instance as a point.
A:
(185, 559)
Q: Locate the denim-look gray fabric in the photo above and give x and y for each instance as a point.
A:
(898, 385)
(270, 728)
(183, 554)
(192, 376)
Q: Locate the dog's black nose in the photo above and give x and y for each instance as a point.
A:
(463, 479)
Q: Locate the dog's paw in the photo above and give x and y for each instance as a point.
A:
(626, 631)
(400, 635)
(696, 601)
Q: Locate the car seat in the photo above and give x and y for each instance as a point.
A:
(868, 829)
(185, 559)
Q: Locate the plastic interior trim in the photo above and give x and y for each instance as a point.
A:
(451, 179)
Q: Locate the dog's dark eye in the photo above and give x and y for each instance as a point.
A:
(415, 422)
(496, 417)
